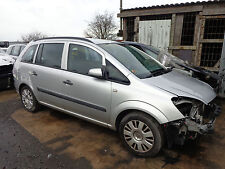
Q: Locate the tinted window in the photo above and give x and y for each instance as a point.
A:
(16, 51)
(114, 74)
(138, 62)
(50, 55)
(81, 59)
(29, 54)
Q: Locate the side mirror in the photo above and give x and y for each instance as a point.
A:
(96, 72)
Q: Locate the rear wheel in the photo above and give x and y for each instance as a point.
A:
(28, 99)
(141, 134)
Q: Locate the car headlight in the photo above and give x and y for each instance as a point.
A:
(185, 105)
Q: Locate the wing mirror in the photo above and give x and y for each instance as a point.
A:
(96, 72)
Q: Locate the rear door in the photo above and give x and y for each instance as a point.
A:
(46, 73)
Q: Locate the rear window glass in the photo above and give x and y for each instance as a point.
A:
(50, 55)
(16, 51)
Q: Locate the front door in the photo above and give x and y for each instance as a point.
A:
(85, 95)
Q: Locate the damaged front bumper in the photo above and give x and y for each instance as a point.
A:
(199, 121)
(205, 127)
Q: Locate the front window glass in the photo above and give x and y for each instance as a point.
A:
(133, 59)
(81, 59)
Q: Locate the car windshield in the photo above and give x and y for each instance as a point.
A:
(133, 59)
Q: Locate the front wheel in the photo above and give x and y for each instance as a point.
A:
(141, 134)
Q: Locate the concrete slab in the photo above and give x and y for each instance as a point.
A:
(80, 139)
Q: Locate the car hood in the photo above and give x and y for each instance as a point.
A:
(183, 85)
(6, 60)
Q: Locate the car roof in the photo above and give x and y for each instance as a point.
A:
(90, 40)
(101, 41)
(62, 38)
(17, 45)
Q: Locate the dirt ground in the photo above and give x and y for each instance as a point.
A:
(51, 139)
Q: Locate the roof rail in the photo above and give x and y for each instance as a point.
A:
(76, 38)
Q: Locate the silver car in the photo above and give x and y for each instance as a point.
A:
(117, 86)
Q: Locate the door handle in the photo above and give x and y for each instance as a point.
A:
(33, 73)
(68, 82)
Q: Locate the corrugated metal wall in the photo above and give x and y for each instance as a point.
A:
(155, 33)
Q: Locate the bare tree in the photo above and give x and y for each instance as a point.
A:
(33, 36)
(102, 27)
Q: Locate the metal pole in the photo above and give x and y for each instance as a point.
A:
(222, 71)
(121, 8)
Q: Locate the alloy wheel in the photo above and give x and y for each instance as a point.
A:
(138, 136)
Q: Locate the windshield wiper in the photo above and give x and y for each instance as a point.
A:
(148, 76)
(160, 71)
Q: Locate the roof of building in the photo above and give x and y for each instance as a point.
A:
(178, 4)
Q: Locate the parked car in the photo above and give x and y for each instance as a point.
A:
(170, 60)
(7, 60)
(14, 50)
(6, 66)
(117, 86)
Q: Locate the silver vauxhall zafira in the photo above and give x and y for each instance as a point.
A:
(117, 86)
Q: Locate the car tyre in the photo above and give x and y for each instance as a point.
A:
(28, 99)
(141, 134)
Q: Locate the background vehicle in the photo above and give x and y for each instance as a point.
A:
(6, 66)
(7, 60)
(170, 60)
(117, 86)
(14, 50)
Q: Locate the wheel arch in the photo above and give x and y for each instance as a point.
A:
(21, 86)
(24, 84)
(141, 107)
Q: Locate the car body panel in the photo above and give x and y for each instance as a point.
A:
(183, 85)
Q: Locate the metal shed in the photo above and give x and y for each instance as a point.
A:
(192, 31)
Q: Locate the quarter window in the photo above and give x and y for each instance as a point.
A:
(114, 74)
(81, 59)
(50, 55)
(29, 54)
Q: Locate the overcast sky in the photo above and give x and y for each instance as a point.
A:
(59, 17)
